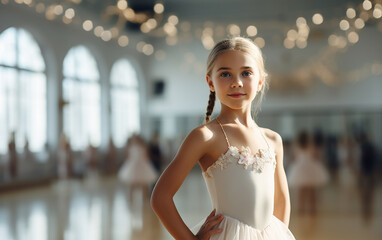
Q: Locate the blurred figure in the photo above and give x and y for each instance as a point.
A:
(288, 153)
(12, 153)
(307, 173)
(346, 176)
(28, 155)
(111, 158)
(332, 157)
(136, 171)
(367, 181)
(155, 152)
(65, 160)
(91, 159)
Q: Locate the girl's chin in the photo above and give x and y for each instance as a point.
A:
(238, 106)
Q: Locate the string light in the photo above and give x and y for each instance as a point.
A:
(123, 41)
(300, 22)
(292, 34)
(288, 43)
(353, 37)
(148, 49)
(158, 8)
(344, 25)
(173, 20)
(106, 35)
(66, 20)
(359, 23)
(234, 29)
(366, 5)
(377, 12)
(251, 31)
(87, 25)
(69, 13)
(317, 19)
(98, 31)
(294, 38)
(350, 13)
(260, 42)
(122, 4)
(58, 10)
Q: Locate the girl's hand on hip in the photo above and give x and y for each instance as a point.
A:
(207, 229)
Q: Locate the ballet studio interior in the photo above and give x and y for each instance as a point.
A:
(85, 83)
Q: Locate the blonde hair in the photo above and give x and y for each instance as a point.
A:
(238, 44)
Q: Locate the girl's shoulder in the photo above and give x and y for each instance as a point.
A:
(205, 135)
(204, 132)
(272, 137)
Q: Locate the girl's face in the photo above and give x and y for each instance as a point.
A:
(235, 78)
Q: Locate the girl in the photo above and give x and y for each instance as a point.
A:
(242, 163)
(137, 171)
(307, 174)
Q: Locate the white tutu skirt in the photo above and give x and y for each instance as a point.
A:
(233, 229)
(137, 171)
(307, 173)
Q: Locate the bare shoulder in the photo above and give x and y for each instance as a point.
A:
(273, 137)
(202, 135)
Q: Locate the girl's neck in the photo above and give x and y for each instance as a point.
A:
(237, 116)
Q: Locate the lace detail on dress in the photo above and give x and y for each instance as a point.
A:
(244, 157)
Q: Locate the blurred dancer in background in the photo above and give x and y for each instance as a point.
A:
(307, 173)
(137, 171)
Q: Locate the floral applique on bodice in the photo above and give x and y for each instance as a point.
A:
(243, 156)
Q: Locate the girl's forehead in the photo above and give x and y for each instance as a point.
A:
(235, 59)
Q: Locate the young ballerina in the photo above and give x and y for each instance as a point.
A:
(242, 163)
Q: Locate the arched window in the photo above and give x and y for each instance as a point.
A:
(22, 91)
(124, 102)
(81, 93)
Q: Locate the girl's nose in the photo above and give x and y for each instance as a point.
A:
(236, 83)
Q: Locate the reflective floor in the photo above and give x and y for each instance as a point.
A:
(101, 208)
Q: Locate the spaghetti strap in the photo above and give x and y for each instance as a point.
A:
(225, 135)
(261, 132)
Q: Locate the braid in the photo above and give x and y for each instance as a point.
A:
(210, 107)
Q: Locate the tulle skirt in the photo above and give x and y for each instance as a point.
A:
(233, 229)
(137, 171)
(308, 173)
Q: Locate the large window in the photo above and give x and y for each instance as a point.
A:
(124, 102)
(22, 91)
(81, 92)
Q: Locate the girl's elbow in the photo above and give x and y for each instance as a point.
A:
(157, 200)
(154, 201)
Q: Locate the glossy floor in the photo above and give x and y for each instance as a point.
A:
(101, 208)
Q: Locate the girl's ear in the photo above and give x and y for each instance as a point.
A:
(210, 83)
(260, 84)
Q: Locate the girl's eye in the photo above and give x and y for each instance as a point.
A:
(246, 74)
(224, 74)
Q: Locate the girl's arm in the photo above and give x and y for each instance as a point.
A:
(192, 149)
(281, 200)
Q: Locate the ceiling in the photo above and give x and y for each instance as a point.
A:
(238, 11)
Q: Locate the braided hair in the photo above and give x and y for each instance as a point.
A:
(210, 106)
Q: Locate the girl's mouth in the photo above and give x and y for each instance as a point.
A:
(236, 95)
